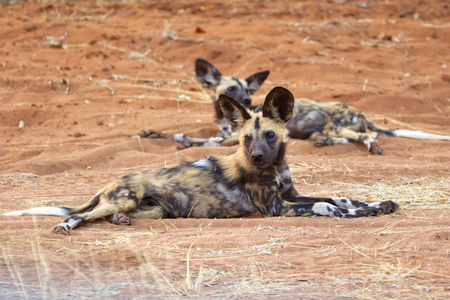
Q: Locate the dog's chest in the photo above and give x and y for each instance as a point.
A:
(236, 198)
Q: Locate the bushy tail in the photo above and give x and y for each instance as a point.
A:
(412, 134)
(57, 211)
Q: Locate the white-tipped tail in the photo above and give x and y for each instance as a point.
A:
(43, 210)
(419, 135)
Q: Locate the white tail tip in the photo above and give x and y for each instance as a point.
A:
(44, 210)
(419, 135)
(14, 213)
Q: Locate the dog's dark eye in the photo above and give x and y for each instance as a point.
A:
(247, 138)
(251, 92)
(231, 88)
(270, 134)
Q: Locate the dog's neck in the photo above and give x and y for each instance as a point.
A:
(225, 129)
(238, 162)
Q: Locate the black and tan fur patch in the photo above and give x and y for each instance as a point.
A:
(254, 178)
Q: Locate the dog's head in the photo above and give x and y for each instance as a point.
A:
(238, 89)
(262, 135)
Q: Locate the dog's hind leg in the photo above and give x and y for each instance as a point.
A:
(321, 140)
(152, 212)
(121, 197)
(347, 133)
(104, 211)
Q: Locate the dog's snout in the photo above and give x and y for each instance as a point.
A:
(257, 156)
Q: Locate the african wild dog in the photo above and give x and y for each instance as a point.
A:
(330, 123)
(233, 87)
(326, 123)
(254, 178)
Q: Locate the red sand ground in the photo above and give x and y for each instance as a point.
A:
(391, 59)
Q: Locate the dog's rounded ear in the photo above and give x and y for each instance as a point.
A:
(207, 74)
(279, 104)
(255, 81)
(235, 113)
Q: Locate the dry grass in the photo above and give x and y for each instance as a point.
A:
(387, 269)
(410, 193)
(137, 273)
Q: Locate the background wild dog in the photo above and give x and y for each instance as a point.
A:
(329, 123)
(233, 87)
(326, 123)
(254, 178)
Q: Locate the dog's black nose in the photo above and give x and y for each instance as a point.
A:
(247, 101)
(257, 157)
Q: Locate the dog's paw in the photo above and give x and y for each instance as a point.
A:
(60, 230)
(325, 141)
(120, 219)
(151, 134)
(388, 207)
(375, 149)
(185, 146)
(366, 212)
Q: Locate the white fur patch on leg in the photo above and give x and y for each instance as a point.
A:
(179, 137)
(338, 140)
(324, 209)
(343, 202)
(214, 142)
(367, 142)
(71, 223)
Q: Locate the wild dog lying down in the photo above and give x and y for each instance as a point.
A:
(330, 123)
(255, 178)
(326, 123)
(238, 89)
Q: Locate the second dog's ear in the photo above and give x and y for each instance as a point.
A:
(207, 74)
(279, 104)
(235, 113)
(255, 81)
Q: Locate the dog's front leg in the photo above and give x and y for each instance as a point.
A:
(331, 207)
(290, 209)
(337, 206)
(385, 207)
(260, 197)
(184, 140)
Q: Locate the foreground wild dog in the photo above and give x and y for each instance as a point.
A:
(238, 89)
(326, 123)
(255, 178)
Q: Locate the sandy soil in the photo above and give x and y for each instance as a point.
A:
(64, 135)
